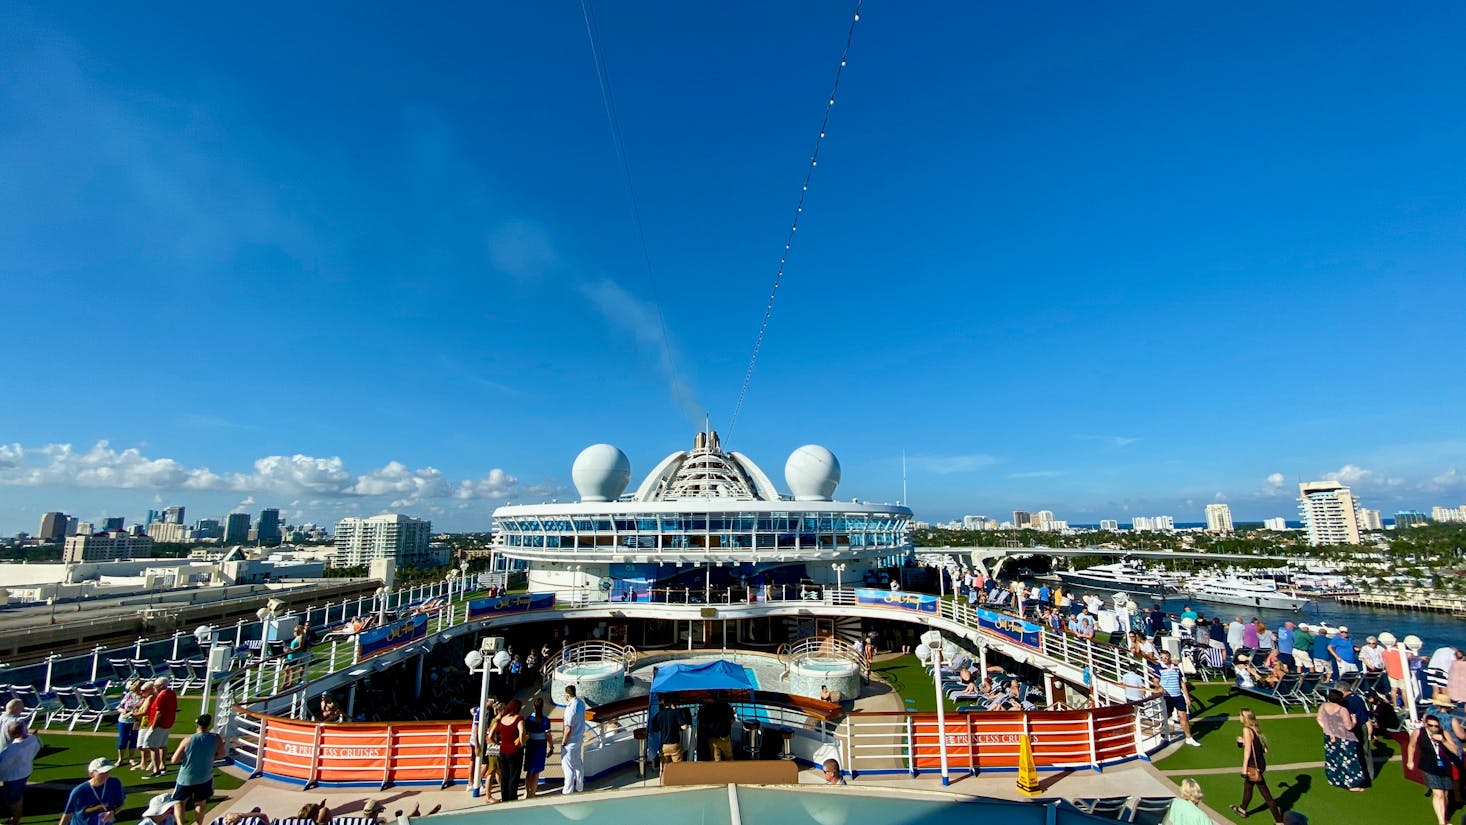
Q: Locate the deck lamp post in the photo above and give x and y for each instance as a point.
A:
(839, 576)
(478, 662)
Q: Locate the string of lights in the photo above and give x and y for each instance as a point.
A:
(794, 224)
(593, 32)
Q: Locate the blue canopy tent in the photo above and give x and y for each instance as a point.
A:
(682, 683)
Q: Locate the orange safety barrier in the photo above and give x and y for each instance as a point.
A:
(397, 752)
(993, 739)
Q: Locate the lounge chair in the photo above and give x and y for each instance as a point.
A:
(68, 706)
(1150, 810)
(94, 708)
(1107, 807)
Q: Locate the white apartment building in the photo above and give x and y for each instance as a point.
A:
(1328, 511)
(1448, 515)
(1112, 525)
(1279, 524)
(1218, 518)
(106, 547)
(1369, 519)
(390, 536)
(169, 531)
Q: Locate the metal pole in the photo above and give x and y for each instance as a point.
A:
(479, 721)
(50, 661)
(176, 634)
(96, 659)
(417, 685)
(941, 710)
(208, 678)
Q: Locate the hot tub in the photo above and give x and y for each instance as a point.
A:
(595, 682)
(839, 675)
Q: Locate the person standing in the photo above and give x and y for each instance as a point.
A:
(715, 724)
(1251, 634)
(1286, 638)
(537, 725)
(17, 760)
(572, 737)
(97, 800)
(1340, 755)
(1235, 634)
(14, 712)
(162, 713)
(670, 722)
(488, 750)
(512, 737)
(197, 755)
(1363, 729)
(146, 694)
(1254, 766)
(127, 709)
(1434, 753)
(1178, 695)
(1341, 648)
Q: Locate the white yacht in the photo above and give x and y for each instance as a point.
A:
(1243, 592)
(1124, 576)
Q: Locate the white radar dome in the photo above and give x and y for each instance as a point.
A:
(601, 473)
(812, 472)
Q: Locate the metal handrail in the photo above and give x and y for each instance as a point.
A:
(592, 650)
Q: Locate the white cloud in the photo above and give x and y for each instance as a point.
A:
(1449, 481)
(642, 320)
(1275, 480)
(101, 466)
(1356, 476)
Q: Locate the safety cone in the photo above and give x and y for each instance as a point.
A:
(1027, 768)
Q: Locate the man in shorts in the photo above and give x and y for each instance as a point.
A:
(162, 713)
(1178, 695)
(196, 755)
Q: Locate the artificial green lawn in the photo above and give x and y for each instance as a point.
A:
(62, 765)
(907, 677)
(1290, 740)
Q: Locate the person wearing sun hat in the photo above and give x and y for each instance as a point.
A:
(97, 800)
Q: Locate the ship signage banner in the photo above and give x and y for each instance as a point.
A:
(1001, 624)
(919, 602)
(518, 603)
(385, 638)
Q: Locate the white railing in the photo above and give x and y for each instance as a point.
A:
(594, 650)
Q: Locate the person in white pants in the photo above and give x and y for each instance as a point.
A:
(571, 739)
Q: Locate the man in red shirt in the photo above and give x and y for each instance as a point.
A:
(161, 715)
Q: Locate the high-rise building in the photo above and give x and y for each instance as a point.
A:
(1279, 524)
(1410, 518)
(1218, 518)
(1142, 524)
(166, 532)
(236, 528)
(83, 528)
(1448, 515)
(1112, 525)
(207, 528)
(106, 547)
(267, 531)
(1328, 513)
(114, 524)
(71, 524)
(153, 515)
(1021, 519)
(394, 536)
(1368, 519)
(173, 515)
(1041, 519)
(53, 527)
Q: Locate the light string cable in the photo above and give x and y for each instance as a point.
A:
(794, 224)
(593, 32)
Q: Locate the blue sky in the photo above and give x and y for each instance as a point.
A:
(1107, 261)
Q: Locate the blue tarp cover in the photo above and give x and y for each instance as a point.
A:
(719, 675)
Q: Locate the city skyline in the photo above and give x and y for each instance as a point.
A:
(1107, 265)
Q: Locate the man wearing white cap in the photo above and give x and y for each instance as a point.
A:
(97, 800)
(1341, 647)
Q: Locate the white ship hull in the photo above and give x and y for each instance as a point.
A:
(1272, 600)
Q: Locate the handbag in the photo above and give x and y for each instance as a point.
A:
(1252, 774)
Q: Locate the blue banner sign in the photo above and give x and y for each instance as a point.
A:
(518, 603)
(385, 638)
(1009, 627)
(920, 602)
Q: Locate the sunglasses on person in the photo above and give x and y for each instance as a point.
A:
(1432, 727)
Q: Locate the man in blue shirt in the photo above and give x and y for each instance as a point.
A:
(1044, 594)
(1285, 645)
(1342, 650)
(97, 800)
(1320, 651)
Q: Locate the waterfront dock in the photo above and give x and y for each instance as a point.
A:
(1412, 600)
